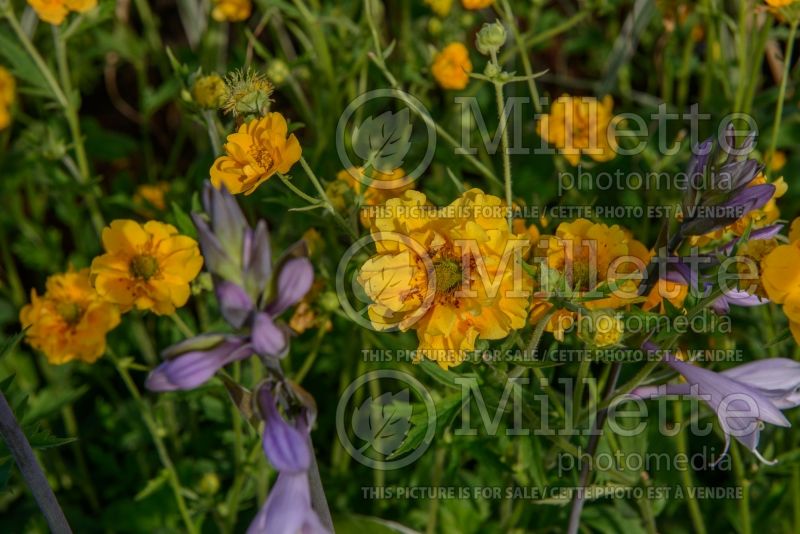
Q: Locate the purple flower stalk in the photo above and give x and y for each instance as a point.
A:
(287, 446)
(743, 397)
(250, 295)
(719, 191)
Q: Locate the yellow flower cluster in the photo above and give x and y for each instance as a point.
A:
(231, 10)
(449, 273)
(70, 321)
(55, 11)
(148, 267)
(589, 255)
(258, 150)
(451, 67)
(580, 125)
(7, 96)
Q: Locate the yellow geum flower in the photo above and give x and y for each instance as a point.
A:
(375, 189)
(589, 255)
(147, 267)
(607, 329)
(440, 7)
(55, 11)
(231, 10)
(476, 4)
(779, 3)
(259, 149)
(70, 321)
(776, 161)
(8, 88)
(149, 196)
(580, 125)
(453, 274)
(780, 277)
(451, 67)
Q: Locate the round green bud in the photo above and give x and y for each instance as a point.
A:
(491, 38)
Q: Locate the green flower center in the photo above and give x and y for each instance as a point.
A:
(581, 276)
(144, 266)
(71, 312)
(448, 275)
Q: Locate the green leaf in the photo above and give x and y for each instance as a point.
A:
(22, 65)
(153, 485)
(183, 221)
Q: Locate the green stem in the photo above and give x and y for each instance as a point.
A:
(312, 355)
(503, 125)
(163, 455)
(686, 475)
(523, 53)
(182, 326)
(744, 502)
(325, 199)
(787, 63)
(73, 121)
(235, 493)
(288, 183)
(71, 426)
(58, 94)
(213, 132)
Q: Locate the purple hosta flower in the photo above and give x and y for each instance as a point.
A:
(195, 360)
(288, 448)
(743, 397)
(719, 191)
(249, 298)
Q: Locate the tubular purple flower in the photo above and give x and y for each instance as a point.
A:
(287, 447)
(227, 220)
(742, 397)
(294, 281)
(268, 338)
(288, 508)
(719, 193)
(235, 304)
(192, 369)
(257, 262)
(749, 199)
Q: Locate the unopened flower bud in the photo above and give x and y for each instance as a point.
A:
(209, 91)
(278, 71)
(329, 301)
(492, 70)
(209, 484)
(491, 38)
(434, 26)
